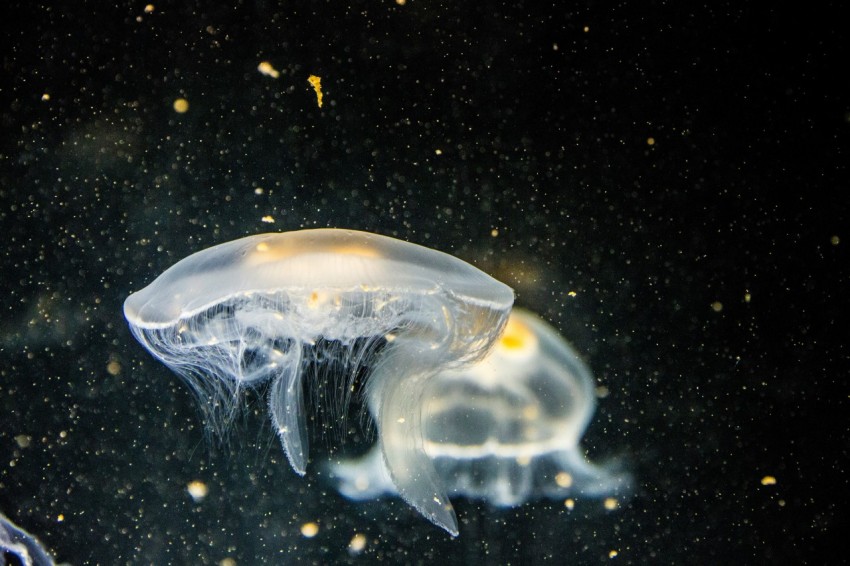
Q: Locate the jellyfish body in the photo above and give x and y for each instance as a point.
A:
(265, 308)
(25, 548)
(505, 429)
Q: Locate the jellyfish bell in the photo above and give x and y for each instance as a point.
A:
(505, 429)
(263, 308)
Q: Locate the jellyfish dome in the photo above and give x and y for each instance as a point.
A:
(270, 308)
(505, 429)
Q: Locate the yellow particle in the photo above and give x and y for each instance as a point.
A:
(149, 9)
(768, 480)
(438, 152)
(227, 562)
(563, 479)
(650, 141)
(45, 97)
(198, 490)
(572, 294)
(181, 105)
(610, 503)
(357, 544)
(400, 2)
(586, 29)
(268, 70)
(570, 504)
(309, 530)
(835, 240)
(717, 306)
(494, 232)
(523, 460)
(60, 518)
(747, 297)
(613, 554)
(23, 440)
(316, 83)
(267, 219)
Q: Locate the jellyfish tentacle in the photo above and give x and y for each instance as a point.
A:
(286, 403)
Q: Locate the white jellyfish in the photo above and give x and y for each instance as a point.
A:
(18, 544)
(505, 429)
(280, 307)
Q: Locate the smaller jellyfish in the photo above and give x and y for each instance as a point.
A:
(506, 429)
(18, 544)
(284, 311)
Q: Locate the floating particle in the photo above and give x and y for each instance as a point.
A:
(181, 105)
(309, 530)
(357, 544)
(268, 70)
(316, 83)
(198, 490)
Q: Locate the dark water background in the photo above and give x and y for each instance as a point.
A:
(710, 267)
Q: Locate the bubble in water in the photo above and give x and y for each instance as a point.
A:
(505, 429)
(273, 308)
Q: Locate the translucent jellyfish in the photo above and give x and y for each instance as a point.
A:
(505, 429)
(19, 544)
(280, 309)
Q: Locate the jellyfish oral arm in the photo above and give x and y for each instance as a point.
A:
(286, 403)
(398, 384)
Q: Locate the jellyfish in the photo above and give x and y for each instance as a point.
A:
(272, 310)
(19, 544)
(505, 429)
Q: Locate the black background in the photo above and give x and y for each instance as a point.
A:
(709, 268)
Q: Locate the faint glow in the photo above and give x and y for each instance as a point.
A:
(717, 306)
(309, 530)
(768, 480)
(23, 440)
(747, 297)
(198, 490)
(181, 105)
(316, 83)
(835, 240)
(268, 70)
(494, 232)
(586, 29)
